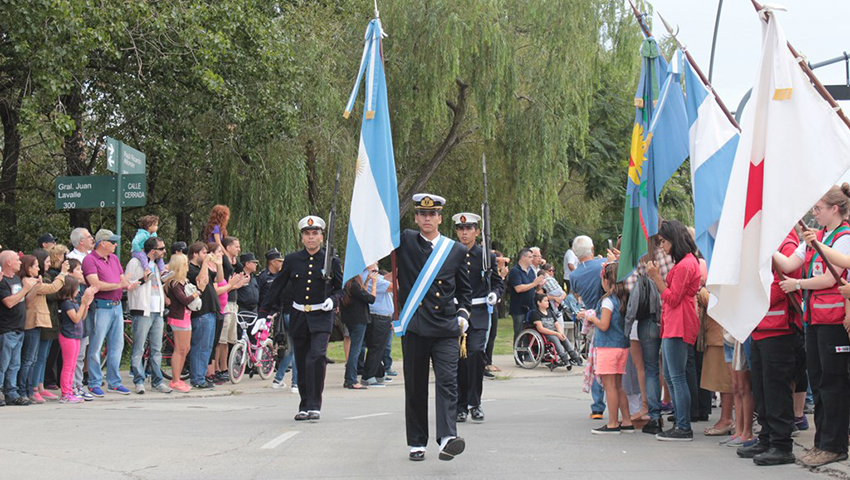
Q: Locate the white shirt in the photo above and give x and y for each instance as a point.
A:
(842, 245)
(78, 255)
(433, 242)
(570, 258)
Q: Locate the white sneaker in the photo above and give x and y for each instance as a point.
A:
(294, 389)
(162, 388)
(140, 388)
(280, 384)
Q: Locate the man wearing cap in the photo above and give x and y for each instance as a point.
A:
(46, 241)
(311, 321)
(470, 370)
(434, 289)
(102, 270)
(248, 296)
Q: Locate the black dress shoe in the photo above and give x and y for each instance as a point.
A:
(489, 374)
(461, 417)
(653, 427)
(774, 457)
(313, 416)
(752, 451)
(453, 448)
(477, 414)
(301, 416)
(417, 456)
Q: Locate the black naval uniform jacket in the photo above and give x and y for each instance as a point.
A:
(478, 315)
(437, 313)
(302, 272)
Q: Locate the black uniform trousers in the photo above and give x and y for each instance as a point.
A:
(470, 370)
(830, 381)
(376, 345)
(418, 352)
(774, 372)
(311, 350)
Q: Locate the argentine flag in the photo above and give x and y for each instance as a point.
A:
(713, 141)
(373, 228)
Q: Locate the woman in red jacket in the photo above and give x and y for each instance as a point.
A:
(827, 315)
(679, 321)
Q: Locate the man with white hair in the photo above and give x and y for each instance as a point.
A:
(536, 260)
(587, 283)
(83, 243)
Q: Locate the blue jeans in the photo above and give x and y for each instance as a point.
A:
(357, 333)
(675, 352)
(289, 358)
(203, 336)
(147, 329)
(41, 362)
(10, 362)
(598, 394)
(650, 344)
(29, 354)
(109, 326)
(388, 353)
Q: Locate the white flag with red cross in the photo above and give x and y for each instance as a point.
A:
(793, 148)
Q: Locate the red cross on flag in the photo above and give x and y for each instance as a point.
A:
(793, 148)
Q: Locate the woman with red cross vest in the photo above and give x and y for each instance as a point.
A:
(827, 316)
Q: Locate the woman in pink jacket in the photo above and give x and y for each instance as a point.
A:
(679, 321)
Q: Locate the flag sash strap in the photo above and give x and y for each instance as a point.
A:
(423, 283)
(828, 242)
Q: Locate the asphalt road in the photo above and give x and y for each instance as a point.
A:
(537, 426)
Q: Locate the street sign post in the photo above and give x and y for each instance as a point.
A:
(98, 191)
(127, 188)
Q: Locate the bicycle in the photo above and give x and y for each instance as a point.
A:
(167, 350)
(247, 355)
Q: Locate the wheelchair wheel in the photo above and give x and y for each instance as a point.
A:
(529, 348)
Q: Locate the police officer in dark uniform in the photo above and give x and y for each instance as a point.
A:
(274, 263)
(311, 319)
(470, 370)
(433, 329)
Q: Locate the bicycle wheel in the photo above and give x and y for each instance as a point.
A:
(167, 351)
(236, 363)
(265, 359)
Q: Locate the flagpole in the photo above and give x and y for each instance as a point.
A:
(639, 16)
(701, 75)
(829, 265)
(808, 71)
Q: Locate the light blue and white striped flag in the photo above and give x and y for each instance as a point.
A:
(713, 142)
(373, 228)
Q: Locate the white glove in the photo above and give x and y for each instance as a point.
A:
(463, 324)
(492, 298)
(328, 305)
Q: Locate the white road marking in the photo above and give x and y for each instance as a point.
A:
(370, 415)
(278, 440)
(489, 400)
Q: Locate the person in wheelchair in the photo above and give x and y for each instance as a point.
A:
(545, 321)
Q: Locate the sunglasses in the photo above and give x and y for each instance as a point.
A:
(160, 248)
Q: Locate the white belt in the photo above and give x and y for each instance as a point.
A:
(306, 308)
(476, 301)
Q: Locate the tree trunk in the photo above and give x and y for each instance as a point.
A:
(414, 183)
(10, 117)
(312, 181)
(74, 148)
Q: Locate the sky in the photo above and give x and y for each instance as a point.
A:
(818, 29)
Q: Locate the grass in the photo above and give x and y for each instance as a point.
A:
(503, 344)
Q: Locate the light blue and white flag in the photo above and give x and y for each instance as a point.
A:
(713, 141)
(373, 228)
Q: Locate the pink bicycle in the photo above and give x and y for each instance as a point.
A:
(248, 355)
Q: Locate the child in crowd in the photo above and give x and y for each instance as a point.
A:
(72, 312)
(544, 320)
(148, 225)
(612, 351)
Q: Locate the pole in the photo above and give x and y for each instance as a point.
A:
(701, 75)
(714, 39)
(640, 17)
(118, 200)
(817, 248)
(808, 71)
(794, 302)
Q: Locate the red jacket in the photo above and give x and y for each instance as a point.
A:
(678, 303)
(776, 322)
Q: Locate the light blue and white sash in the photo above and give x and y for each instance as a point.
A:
(423, 283)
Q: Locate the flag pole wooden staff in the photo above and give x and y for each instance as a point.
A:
(817, 248)
(701, 75)
(808, 71)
